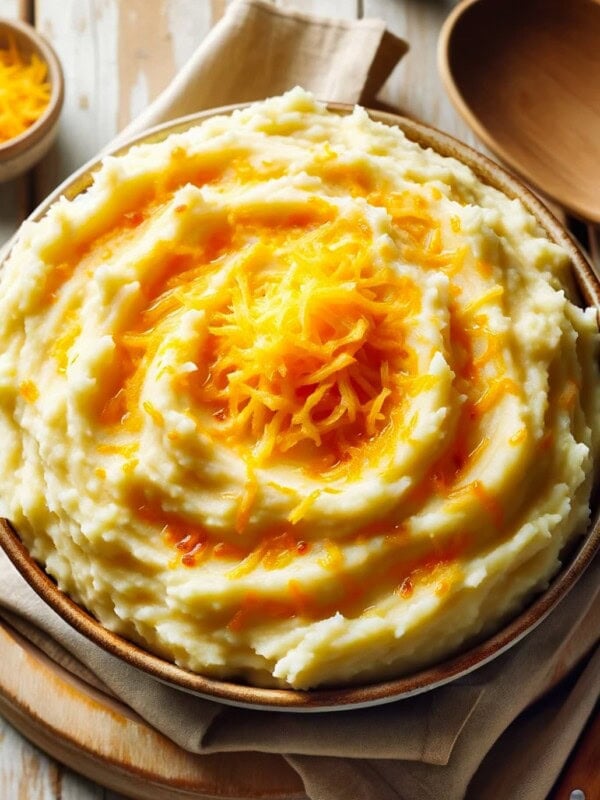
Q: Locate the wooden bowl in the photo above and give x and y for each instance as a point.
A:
(20, 153)
(525, 77)
(575, 561)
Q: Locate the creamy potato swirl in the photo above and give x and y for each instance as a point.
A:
(288, 397)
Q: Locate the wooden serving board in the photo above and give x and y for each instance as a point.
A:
(104, 740)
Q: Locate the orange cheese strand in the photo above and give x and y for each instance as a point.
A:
(29, 391)
(497, 389)
(349, 596)
(61, 346)
(24, 90)
(490, 504)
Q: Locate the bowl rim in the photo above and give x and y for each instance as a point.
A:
(377, 692)
(14, 146)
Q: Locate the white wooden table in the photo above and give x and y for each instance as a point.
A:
(117, 55)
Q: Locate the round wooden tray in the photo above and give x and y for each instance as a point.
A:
(107, 742)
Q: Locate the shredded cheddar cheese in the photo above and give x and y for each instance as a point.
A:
(306, 353)
(308, 347)
(24, 90)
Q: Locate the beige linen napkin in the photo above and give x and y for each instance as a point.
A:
(259, 50)
(430, 746)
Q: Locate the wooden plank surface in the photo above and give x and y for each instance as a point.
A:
(415, 87)
(118, 55)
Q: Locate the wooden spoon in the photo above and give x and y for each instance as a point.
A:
(525, 74)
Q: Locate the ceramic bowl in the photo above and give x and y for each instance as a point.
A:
(574, 562)
(20, 153)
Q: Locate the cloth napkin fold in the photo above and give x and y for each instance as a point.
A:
(469, 738)
(259, 50)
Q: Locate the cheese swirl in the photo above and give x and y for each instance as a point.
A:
(288, 397)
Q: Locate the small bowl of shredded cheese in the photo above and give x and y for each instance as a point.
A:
(31, 97)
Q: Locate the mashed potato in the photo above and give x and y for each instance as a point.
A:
(288, 397)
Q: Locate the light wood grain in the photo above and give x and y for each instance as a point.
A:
(118, 56)
(347, 9)
(88, 730)
(414, 87)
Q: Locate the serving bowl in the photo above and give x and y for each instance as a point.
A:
(338, 698)
(20, 153)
